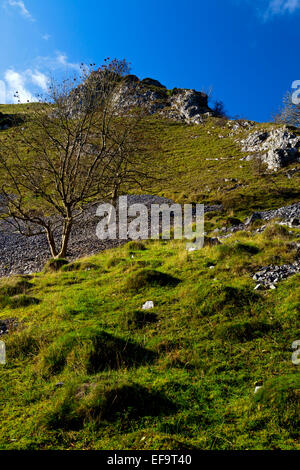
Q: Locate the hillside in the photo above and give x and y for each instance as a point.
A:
(87, 368)
(194, 164)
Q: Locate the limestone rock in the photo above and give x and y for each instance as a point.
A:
(288, 214)
(189, 105)
(184, 105)
(133, 93)
(276, 148)
(269, 276)
(148, 305)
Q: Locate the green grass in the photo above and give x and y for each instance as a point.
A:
(149, 277)
(194, 163)
(87, 368)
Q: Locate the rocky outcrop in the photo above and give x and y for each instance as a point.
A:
(134, 93)
(181, 104)
(276, 148)
(288, 214)
(184, 105)
(189, 105)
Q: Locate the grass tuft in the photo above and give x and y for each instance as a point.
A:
(136, 245)
(150, 278)
(243, 331)
(55, 264)
(276, 231)
(225, 299)
(281, 395)
(139, 319)
(236, 249)
(91, 351)
(14, 286)
(100, 403)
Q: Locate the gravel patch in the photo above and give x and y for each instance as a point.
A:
(269, 276)
(22, 255)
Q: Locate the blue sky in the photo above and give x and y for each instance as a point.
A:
(246, 50)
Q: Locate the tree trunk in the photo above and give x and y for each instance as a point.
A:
(51, 242)
(65, 237)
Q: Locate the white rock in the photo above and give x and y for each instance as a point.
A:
(277, 147)
(148, 305)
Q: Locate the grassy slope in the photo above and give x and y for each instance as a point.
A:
(193, 162)
(197, 161)
(184, 375)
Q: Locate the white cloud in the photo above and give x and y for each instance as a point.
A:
(58, 62)
(21, 83)
(39, 79)
(2, 92)
(20, 5)
(280, 7)
(269, 9)
(33, 80)
(46, 37)
(16, 82)
(62, 59)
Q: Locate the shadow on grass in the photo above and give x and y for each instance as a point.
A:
(92, 351)
(100, 404)
(150, 278)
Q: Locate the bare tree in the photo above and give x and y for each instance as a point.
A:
(290, 112)
(75, 149)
